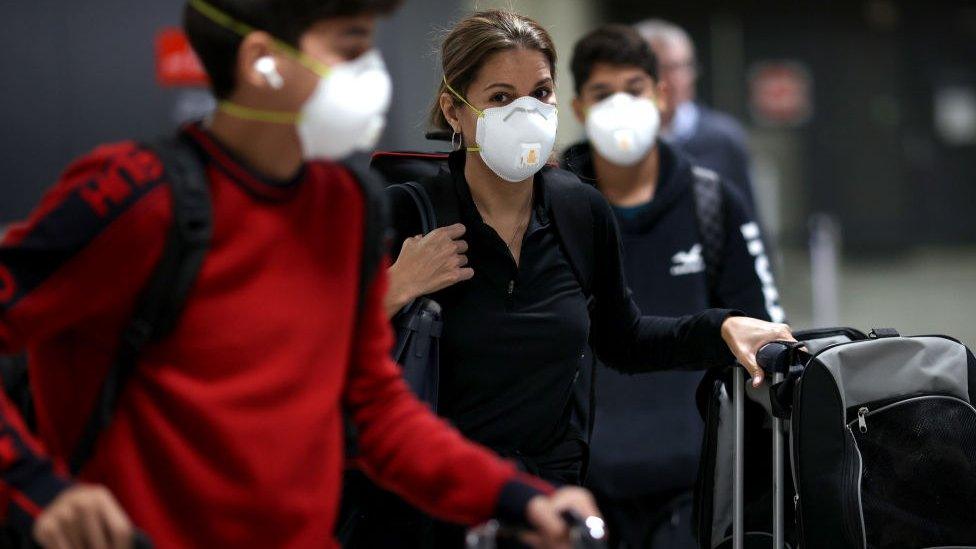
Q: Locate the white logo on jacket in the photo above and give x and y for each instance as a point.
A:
(690, 262)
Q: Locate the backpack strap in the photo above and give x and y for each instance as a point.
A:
(573, 217)
(374, 223)
(428, 216)
(162, 301)
(374, 237)
(443, 199)
(710, 210)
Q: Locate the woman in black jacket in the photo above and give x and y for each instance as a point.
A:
(519, 318)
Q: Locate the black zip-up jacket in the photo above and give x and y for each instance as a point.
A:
(648, 431)
(514, 335)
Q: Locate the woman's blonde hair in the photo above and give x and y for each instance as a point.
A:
(473, 40)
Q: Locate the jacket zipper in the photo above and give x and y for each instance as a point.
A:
(854, 514)
(794, 423)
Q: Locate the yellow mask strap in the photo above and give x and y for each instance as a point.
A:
(258, 115)
(480, 113)
(242, 29)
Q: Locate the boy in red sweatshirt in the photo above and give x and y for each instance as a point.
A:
(230, 432)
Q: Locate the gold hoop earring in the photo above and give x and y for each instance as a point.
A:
(456, 141)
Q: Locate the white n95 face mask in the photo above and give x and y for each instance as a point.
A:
(345, 113)
(347, 110)
(515, 141)
(623, 128)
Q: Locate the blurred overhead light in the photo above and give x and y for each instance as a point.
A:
(955, 115)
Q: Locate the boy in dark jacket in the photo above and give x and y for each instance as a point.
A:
(230, 431)
(690, 243)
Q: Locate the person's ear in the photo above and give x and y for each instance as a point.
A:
(579, 110)
(661, 91)
(256, 64)
(450, 111)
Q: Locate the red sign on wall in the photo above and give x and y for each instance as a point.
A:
(176, 62)
(780, 93)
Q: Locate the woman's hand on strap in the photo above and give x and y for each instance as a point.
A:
(428, 264)
(745, 336)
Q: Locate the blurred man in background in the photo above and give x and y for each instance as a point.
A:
(714, 139)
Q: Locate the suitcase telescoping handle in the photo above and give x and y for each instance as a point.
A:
(775, 359)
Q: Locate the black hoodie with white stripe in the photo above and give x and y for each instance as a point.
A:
(648, 431)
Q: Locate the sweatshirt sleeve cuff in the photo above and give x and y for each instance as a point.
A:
(27, 500)
(514, 498)
(715, 319)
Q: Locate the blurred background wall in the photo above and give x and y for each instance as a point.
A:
(878, 156)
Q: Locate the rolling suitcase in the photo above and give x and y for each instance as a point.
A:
(882, 443)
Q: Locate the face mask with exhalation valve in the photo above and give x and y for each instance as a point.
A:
(623, 128)
(345, 113)
(514, 141)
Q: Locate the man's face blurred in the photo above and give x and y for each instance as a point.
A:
(330, 42)
(677, 71)
(606, 80)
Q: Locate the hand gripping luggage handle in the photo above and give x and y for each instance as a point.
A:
(584, 533)
(779, 360)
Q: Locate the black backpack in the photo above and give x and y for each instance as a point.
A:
(419, 325)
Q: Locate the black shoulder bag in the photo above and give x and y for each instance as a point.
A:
(419, 325)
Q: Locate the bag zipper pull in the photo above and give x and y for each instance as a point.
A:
(862, 422)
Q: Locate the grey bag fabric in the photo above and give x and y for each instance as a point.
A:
(888, 368)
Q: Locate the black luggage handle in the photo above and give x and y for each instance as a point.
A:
(585, 533)
(777, 357)
(780, 357)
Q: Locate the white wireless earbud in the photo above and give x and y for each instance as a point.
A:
(267, 67)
